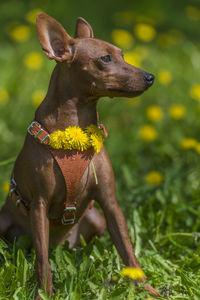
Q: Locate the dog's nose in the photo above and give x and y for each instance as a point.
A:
(149, 79)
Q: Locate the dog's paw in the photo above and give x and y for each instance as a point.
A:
(151, 290)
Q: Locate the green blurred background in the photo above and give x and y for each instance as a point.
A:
(153, 141)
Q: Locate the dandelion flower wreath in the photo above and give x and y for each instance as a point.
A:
(75, 138)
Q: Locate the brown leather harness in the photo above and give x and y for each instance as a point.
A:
(72, 164)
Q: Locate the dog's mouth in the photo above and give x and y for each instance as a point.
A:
(124, 93)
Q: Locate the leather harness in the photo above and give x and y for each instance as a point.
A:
(72, 164)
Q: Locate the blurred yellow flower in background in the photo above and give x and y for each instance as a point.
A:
(4, 96)
(20, 33)
(133, 59)
(197, 148)
(136, 57)
(33, 60)
(192, 12)
(154, 113)
(188, 143)
(145, 32)
(195, 92)
(5, 187)
(31, 15)
(154, 177)
(133, 273)
(148, 133)
(177, 112)
(164, 77)
(38, 96)
(122, 38)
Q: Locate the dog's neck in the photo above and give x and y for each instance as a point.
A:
(64, 105)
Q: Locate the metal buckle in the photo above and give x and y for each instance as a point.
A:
(46, 136)
(103, 128)
(31, 126)
(12, 185)
(18, 202)
(70, 208)
(37, 134)
(66, 221)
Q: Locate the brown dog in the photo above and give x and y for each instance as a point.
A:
(86, 69)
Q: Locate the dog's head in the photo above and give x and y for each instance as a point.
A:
(95, 66)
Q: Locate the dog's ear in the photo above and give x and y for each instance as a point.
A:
(55, 41)
(83, 29)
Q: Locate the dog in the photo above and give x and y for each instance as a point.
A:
(52, 190)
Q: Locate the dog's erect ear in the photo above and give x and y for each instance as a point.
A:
(53, 38)
(83, 29)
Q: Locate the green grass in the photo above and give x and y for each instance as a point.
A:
(163, 220)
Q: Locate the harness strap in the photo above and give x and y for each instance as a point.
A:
(17, 198)
(73, 165)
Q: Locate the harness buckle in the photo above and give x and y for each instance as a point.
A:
(31, 126)
(71, 220)
(36, 135)
(103, 128)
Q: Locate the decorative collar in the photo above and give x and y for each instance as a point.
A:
(75, 138)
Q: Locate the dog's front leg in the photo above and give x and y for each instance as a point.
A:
(40, 234)
(116, 224)
(118, 230)
(119, 234)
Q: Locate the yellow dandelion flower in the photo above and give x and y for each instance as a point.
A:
(93, 129)
(165, 77)
(95, 137)
(76, 138)
(5, 187)
(197, 148)
(31, 15)
(154, 177)
(148, 133)
(154, 113)
(193, 13)
(145, 32)
(4, 96)
(195, 92)
(122, 38)
(177, 112)
(114, 277)
(33, 60)
(56, 139)
(133, 273)
(20, 33)
(188, 143)
(37, 97)
(96, 142)
(133, 58)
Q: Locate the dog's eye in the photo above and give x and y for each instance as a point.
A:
(106, 58)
